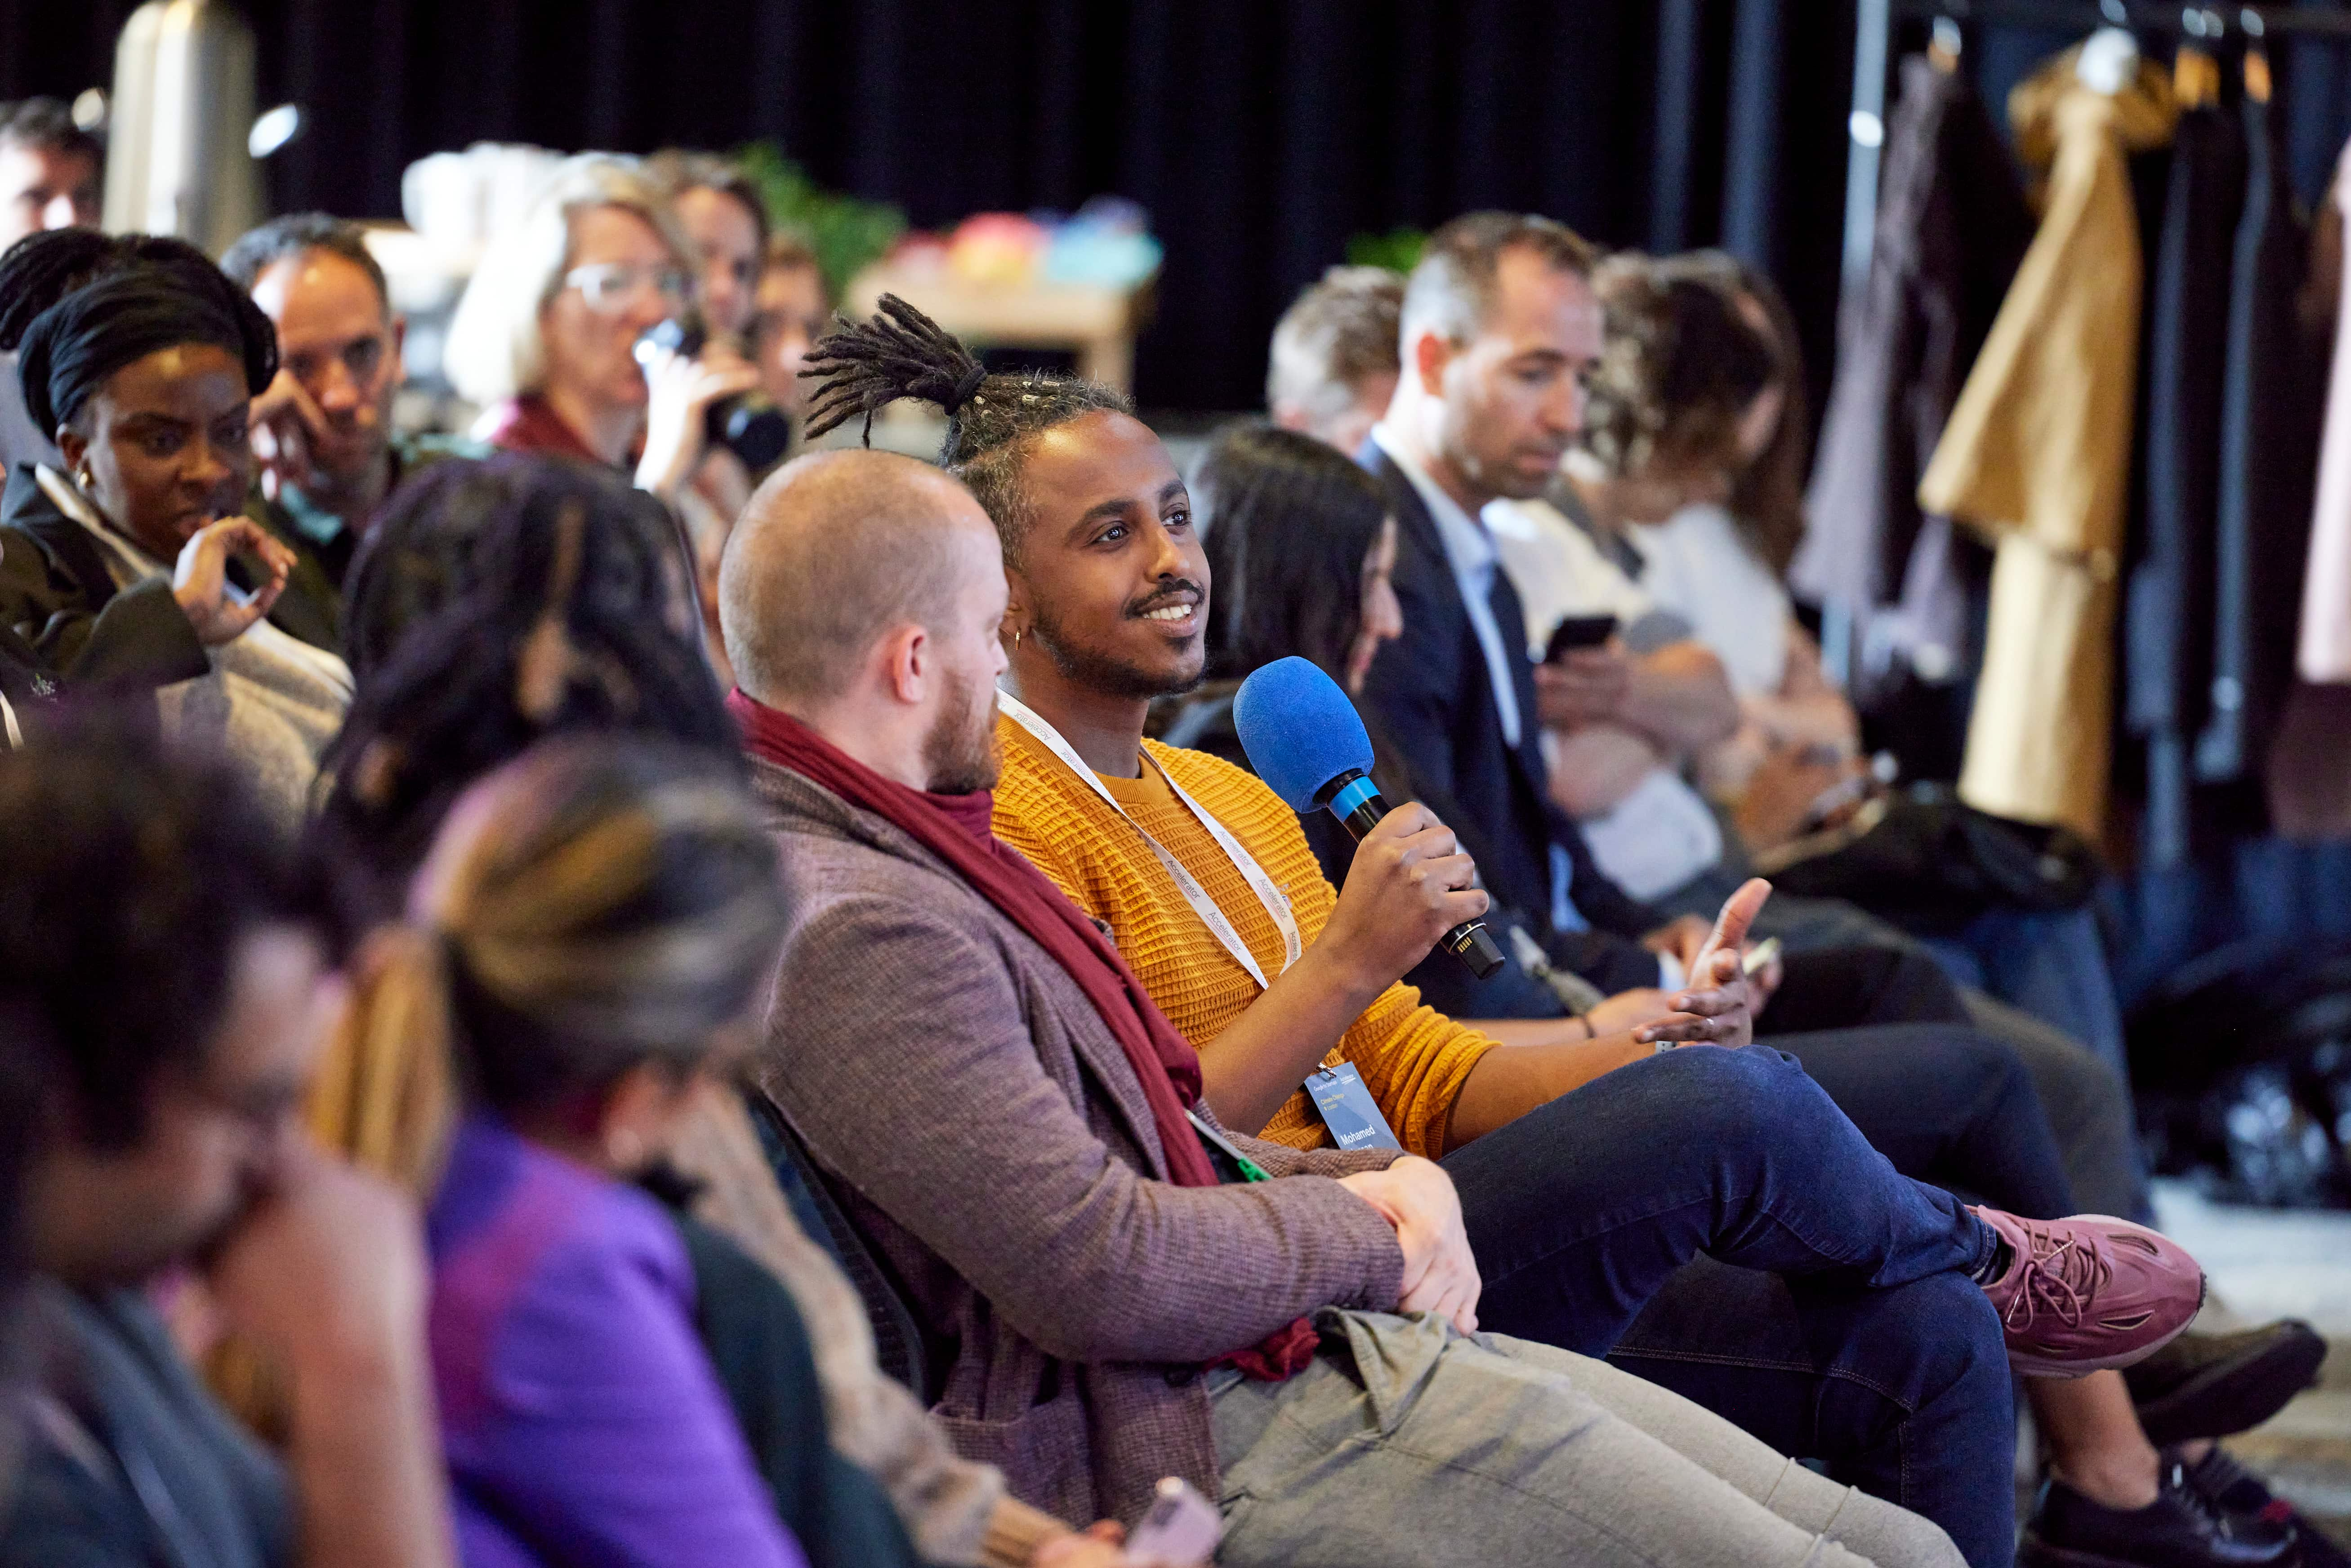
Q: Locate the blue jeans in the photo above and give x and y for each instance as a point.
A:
(2053, 966)
(1864, 1343)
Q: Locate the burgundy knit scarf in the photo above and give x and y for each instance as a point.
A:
(958, 829)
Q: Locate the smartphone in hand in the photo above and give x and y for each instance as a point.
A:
(1578, 631)
(1180, 1530)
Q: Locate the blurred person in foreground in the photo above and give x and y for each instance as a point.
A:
(504, 603)
(1132, 1290)
(498, 602)
(1333, 366)
(26, 1060)
(549, 335)
(150, 933)
(49, 174)
(328, 453)
(144, 360)
(591, 922)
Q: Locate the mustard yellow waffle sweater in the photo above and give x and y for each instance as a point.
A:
(1413, 1058)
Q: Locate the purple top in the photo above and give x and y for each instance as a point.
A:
(580, 1417)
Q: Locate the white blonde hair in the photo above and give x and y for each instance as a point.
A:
(495, 349)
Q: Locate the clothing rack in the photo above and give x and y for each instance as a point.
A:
(2140, 16)
(1865, 126)
(1873, 46)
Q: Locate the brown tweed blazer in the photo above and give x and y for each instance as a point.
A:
(1004, 1160)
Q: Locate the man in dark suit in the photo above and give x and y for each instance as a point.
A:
(1499, 325)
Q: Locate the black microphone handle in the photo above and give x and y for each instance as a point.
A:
(1468, 941)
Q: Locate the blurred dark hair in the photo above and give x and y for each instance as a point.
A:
(497, 603)
(130, 872)
(1681, 364)
(27, 1059)
(680, 170)
(1684, 363)
(600, 903)
(42, 268)
(259, 249)
(1288, 522)
(1768, 500)
(47, 125)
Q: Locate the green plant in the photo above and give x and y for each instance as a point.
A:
(848, 234)
(1398, 250)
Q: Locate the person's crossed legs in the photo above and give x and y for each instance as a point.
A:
(1739, 1154)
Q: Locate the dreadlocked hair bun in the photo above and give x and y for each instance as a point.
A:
(862, 369)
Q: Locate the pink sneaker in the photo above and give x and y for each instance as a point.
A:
(2089, 1292)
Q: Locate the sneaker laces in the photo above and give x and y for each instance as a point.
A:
(2058, 1275)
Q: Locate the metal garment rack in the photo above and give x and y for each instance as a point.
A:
(1865, 126)
(1874, 40)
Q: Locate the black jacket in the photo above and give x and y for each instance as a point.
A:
(2274, 395)
(1433, 700)
(63, 625)
(2167, 613)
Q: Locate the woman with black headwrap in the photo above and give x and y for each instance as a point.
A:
(143, 360)
(146, 636)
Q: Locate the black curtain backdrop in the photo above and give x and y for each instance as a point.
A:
(1260, 134)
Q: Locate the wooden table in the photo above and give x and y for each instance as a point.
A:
(1096, 323)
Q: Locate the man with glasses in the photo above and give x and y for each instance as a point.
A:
(324, 430)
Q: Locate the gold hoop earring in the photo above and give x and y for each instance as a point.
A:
(1017, 634)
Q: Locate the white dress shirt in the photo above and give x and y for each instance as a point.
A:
(1469, 551)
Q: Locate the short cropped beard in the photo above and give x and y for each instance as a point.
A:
(1102, 673)
(961, 755)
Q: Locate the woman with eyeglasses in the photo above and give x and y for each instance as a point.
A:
(549, 336)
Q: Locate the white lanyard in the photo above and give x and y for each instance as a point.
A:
(1269, 893)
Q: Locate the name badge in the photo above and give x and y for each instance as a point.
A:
(1349, 1110)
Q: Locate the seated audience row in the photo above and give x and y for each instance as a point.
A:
(1098, 537)
(573, 1059)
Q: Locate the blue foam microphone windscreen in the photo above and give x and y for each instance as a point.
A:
(1306, 741)
(1299, 730)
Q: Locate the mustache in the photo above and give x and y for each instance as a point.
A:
(1178, 590)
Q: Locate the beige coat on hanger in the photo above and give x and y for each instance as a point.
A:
(2036, 455)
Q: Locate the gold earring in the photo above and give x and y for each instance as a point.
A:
(1017, 635)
